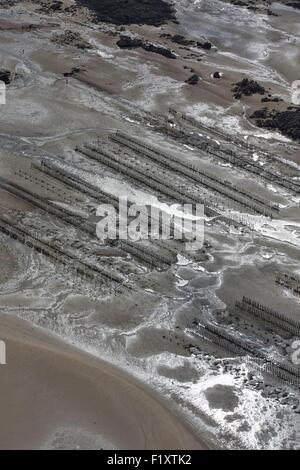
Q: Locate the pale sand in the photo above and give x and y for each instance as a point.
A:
(47, 386)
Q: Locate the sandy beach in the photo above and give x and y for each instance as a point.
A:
(54, 395)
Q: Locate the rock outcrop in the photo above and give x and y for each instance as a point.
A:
(73, 71)
(179, 39)
(71, 38)
(247, 88)
(6, 76)
(257, 6)
(50, 7)
(295, 4)
(193, 80)
(8, 3)
(128, 42)
(151, 12)
(287, 122)
(205, 45)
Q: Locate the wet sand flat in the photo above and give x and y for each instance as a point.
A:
(48, 387)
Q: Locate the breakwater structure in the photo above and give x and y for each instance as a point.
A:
(226, 341)
(241, 158)
(152, 175)
(267, 315)
(147, 254)
(189, 120)
(96, 273)
(243, 143)
(238, 346)
(48, 206)
(289, 281)
(193, 172)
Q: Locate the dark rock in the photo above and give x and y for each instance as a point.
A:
(8, 3)
(166, 36)
(261, 114)
(205, 45)
(151, 12)
(53, 6)
(271, 13)
(247, 88)
(295, 4)
(148, 46)
(287, 122)
(217, 75)
(56, 5)
(182, 41)
(256, 6)
(71, 38)
(72, 72)
(178, 39)
(268, 99)
(30, 27)
(5, 76)
(193, 80)
(128, 42)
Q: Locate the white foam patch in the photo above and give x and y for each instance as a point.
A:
(281, 230)
(101, 50)
(182, 261)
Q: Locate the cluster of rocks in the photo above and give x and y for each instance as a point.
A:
(117, 12)
(287, 122)
(283, 397)
(73, 71)
(255, 5)
(271, 99)
(205, 45)
(128, 42)
(260, 6)
(179, 39)
(247, 88)
(295, 4)
(254, 381)
(71, 38)
(53, 6)
(193, 79)
(8, 3)
(150, 12)
(6, 76)
(249, 376)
